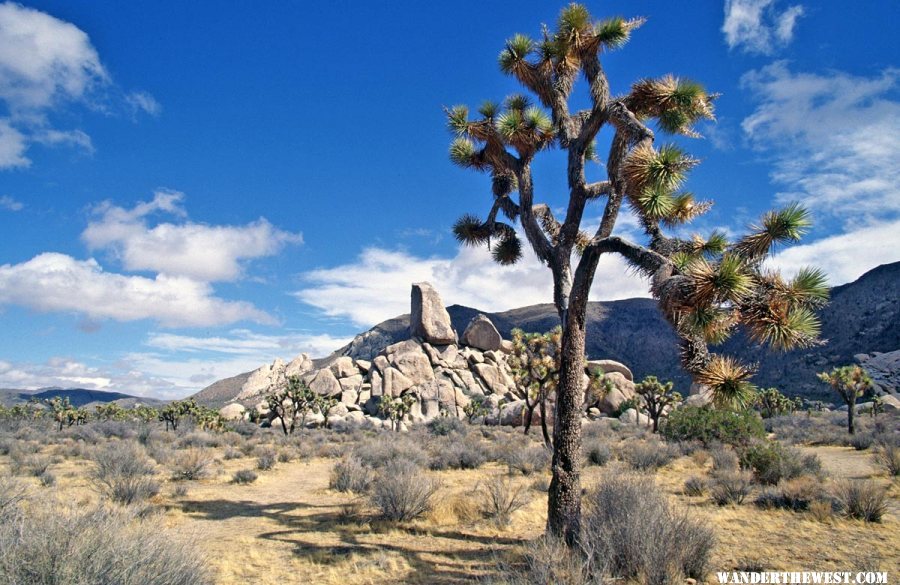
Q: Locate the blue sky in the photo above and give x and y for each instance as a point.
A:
(188, 190)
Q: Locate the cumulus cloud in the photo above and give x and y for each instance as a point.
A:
(376, 285)
(757, 26)
(10, 204)
(57, 282)
(847, 256)
(201, 252)
(45, 64)
(835, 137)
(248, 343)
(66, 372)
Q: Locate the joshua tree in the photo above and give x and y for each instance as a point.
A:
(63, 412)
(850, 382)
(535, 366)
(657, 397)
(477, 407)
(323, 405)
(396, 408)
(293, 400)
(770, 403)
(704, 286)
(173, 412)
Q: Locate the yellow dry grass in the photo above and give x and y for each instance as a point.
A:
(289, 527)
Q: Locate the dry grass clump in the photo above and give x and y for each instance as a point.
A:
(730, 487)
(350, 475)
(192, 464)
(123, 473)
(402, 492)
(244, 476)
(647, 455)
(501, 497)
(724, 458)
(450, 452)
(861, 499)
(266, 458)
(887, 456)
(525, 459)
(796, 494)
(596, 452)
(51, 543)
(694, 486)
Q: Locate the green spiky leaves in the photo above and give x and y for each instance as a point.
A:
(730, 382)
(514, 55)
(665, 168)
(784, 327)
(781, 226)
(724, 281)
(458, 120)
(676, 103)
(809, 287)
(508, 250)
(613, 33)
(463, 152)
(470, 231)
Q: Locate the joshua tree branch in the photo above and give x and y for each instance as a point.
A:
(536, 237)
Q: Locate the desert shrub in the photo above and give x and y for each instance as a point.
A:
(861, 441)
(468, 453)
(548, 560)
(180, 491)
(191, 464)
(12, 491)
(287, 454)
(646, 455)
(123, 473)
(596, 452)
(24, 463)
(861, 499)
(51, 544)
(772, 462)
(730, 487)
(695, 486)
(813, 429)
(708, 425)
(47, 479)
(266, 457)
(724, 458)
(384, 448)
(401, 492)
(231, 453)
(633, 533)
(794, 494)
(115, 429)
(446, 425)
(822, 510)
(887, 456)
(244, 476)
(350, 475)
(198, 440)
(6, 445)
(525, 459)
(501, 498)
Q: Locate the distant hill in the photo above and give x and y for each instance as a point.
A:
(863, 317)
(77, 396)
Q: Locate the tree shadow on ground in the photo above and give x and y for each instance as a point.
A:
(321, 532)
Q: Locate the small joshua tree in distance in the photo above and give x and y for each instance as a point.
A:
(657, 398)
(292, 400)
(850, 383)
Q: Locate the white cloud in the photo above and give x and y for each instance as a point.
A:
(377, 285)
(141, 101)
(65, 372)
(46, 64)
(10, 204)
(56, 282)
(756, 26)
(44, 60)
(248, 343)
(835, 138)
(844, 257)
(12, 147)
(201, 252)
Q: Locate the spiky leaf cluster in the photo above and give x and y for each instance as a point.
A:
(677, 104)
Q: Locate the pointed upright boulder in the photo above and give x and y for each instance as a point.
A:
(429, 320)
(481, 334)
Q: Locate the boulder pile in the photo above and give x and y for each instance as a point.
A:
(443, 371)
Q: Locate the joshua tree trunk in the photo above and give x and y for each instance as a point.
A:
(529, 412)
(547, 441)
(851, 417)
(564, 502)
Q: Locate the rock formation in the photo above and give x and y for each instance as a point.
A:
(443, 375)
